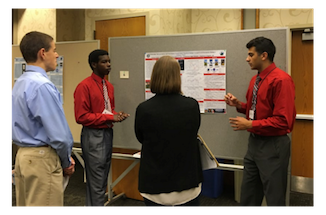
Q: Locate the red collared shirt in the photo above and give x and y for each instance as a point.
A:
(89, 103)
(275, 108)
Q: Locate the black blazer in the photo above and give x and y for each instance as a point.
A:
(167, 127)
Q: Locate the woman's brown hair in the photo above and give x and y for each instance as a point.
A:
(165, 77)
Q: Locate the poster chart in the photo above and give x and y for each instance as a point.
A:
(54, 76)
(203, 77)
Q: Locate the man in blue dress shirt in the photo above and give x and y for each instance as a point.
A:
(39, 127)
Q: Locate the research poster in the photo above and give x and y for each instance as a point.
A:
(203, 77)
(54, 76)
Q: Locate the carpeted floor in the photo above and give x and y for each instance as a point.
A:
(75, 195)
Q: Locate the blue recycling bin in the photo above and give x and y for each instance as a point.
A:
(212, 185)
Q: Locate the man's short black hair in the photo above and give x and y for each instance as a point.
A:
(94, 56)
(263, 44)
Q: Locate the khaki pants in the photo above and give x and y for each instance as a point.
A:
(39, 176)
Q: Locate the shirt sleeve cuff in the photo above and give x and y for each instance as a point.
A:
(66, 163)
(255, 124)
(243, 108)
(109, 117)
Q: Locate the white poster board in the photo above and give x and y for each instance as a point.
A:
(203, 77)
(54, 76)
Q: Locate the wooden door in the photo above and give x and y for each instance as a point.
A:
(134, 26)
(105, 29)
(302, 135)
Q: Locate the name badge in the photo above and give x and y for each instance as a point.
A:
(251, 114)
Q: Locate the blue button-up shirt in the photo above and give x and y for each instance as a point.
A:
(38, 118)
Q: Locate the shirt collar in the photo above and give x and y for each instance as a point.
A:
(266, 71)
(97, 78)
(31, 68)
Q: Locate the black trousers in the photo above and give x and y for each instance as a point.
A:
(265, 170)
(97, 152)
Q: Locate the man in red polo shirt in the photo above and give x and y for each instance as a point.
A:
(94, 109)
(270, 115)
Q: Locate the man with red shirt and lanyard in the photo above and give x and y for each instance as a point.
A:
(270, 115)
(94, 109)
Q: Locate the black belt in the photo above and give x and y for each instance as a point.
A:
(261, 136)
(98, 128)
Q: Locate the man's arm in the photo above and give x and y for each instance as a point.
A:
(46, 107)
(283, 111)
(231, 100)
(83, 113)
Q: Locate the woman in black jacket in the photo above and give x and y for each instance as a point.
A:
(167, 125)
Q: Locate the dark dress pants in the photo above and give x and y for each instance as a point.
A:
(97, 151)
(265, 170)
